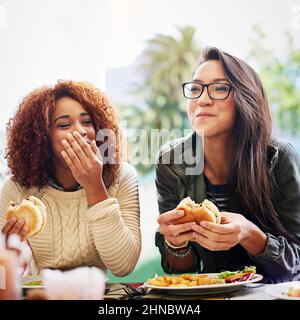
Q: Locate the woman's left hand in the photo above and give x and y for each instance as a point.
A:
(84, 161)
(215, 237)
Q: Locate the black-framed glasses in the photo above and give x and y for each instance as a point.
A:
(215, 90)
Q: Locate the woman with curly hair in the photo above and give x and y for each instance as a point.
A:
(92, 202)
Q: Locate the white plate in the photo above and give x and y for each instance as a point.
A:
(24, 280)
(208, 288)
(278, 290)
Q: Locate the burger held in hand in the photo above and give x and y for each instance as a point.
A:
(204, 211)
(33, 211)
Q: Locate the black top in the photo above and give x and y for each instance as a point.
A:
(218, 194)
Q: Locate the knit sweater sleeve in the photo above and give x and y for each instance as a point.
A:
(115, 225)
(10, 191)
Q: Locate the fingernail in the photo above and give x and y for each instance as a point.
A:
(179, 213)
(22, 220)
(63, 141)
(26, 229)
(14, 218)
(203, 224)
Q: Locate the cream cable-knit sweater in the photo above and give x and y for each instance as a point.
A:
(107, 235)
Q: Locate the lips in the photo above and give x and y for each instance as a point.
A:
(202, 116)
(205, 114)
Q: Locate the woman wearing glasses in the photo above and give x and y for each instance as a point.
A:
(253, 178)
(91, 196)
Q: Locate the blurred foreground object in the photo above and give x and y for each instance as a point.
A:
(79, 284)
(9, 279)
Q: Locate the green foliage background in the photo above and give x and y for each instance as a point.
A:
(167, 61)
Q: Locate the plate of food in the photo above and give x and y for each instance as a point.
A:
(32, 282)
(199, 284)
(286, 290)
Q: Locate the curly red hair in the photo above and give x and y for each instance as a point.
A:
(29, 154)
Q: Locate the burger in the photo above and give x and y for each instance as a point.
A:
(32, 210)
(204, 211)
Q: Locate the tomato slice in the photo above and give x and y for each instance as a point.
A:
(239, 277)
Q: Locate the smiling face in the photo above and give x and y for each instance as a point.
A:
(207, 116)
(69, 116)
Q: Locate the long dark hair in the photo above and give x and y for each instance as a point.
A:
(251, 185)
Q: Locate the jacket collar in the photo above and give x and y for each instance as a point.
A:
(272, 155)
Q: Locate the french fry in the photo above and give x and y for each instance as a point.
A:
(158, 283)
(183, 280)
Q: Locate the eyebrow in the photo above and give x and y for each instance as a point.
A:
(214, 80)
(67, 116)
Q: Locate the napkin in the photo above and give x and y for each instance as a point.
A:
(9, 279)
(84, 283)
(23, 250)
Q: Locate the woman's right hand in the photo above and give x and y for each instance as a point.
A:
(177, 234)
(15, 226)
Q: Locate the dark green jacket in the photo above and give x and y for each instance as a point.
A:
(281, 259)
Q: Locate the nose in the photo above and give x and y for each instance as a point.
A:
(81, 130)
(204, 99)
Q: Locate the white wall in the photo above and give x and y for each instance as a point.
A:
(45, 40)
(42, 41)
